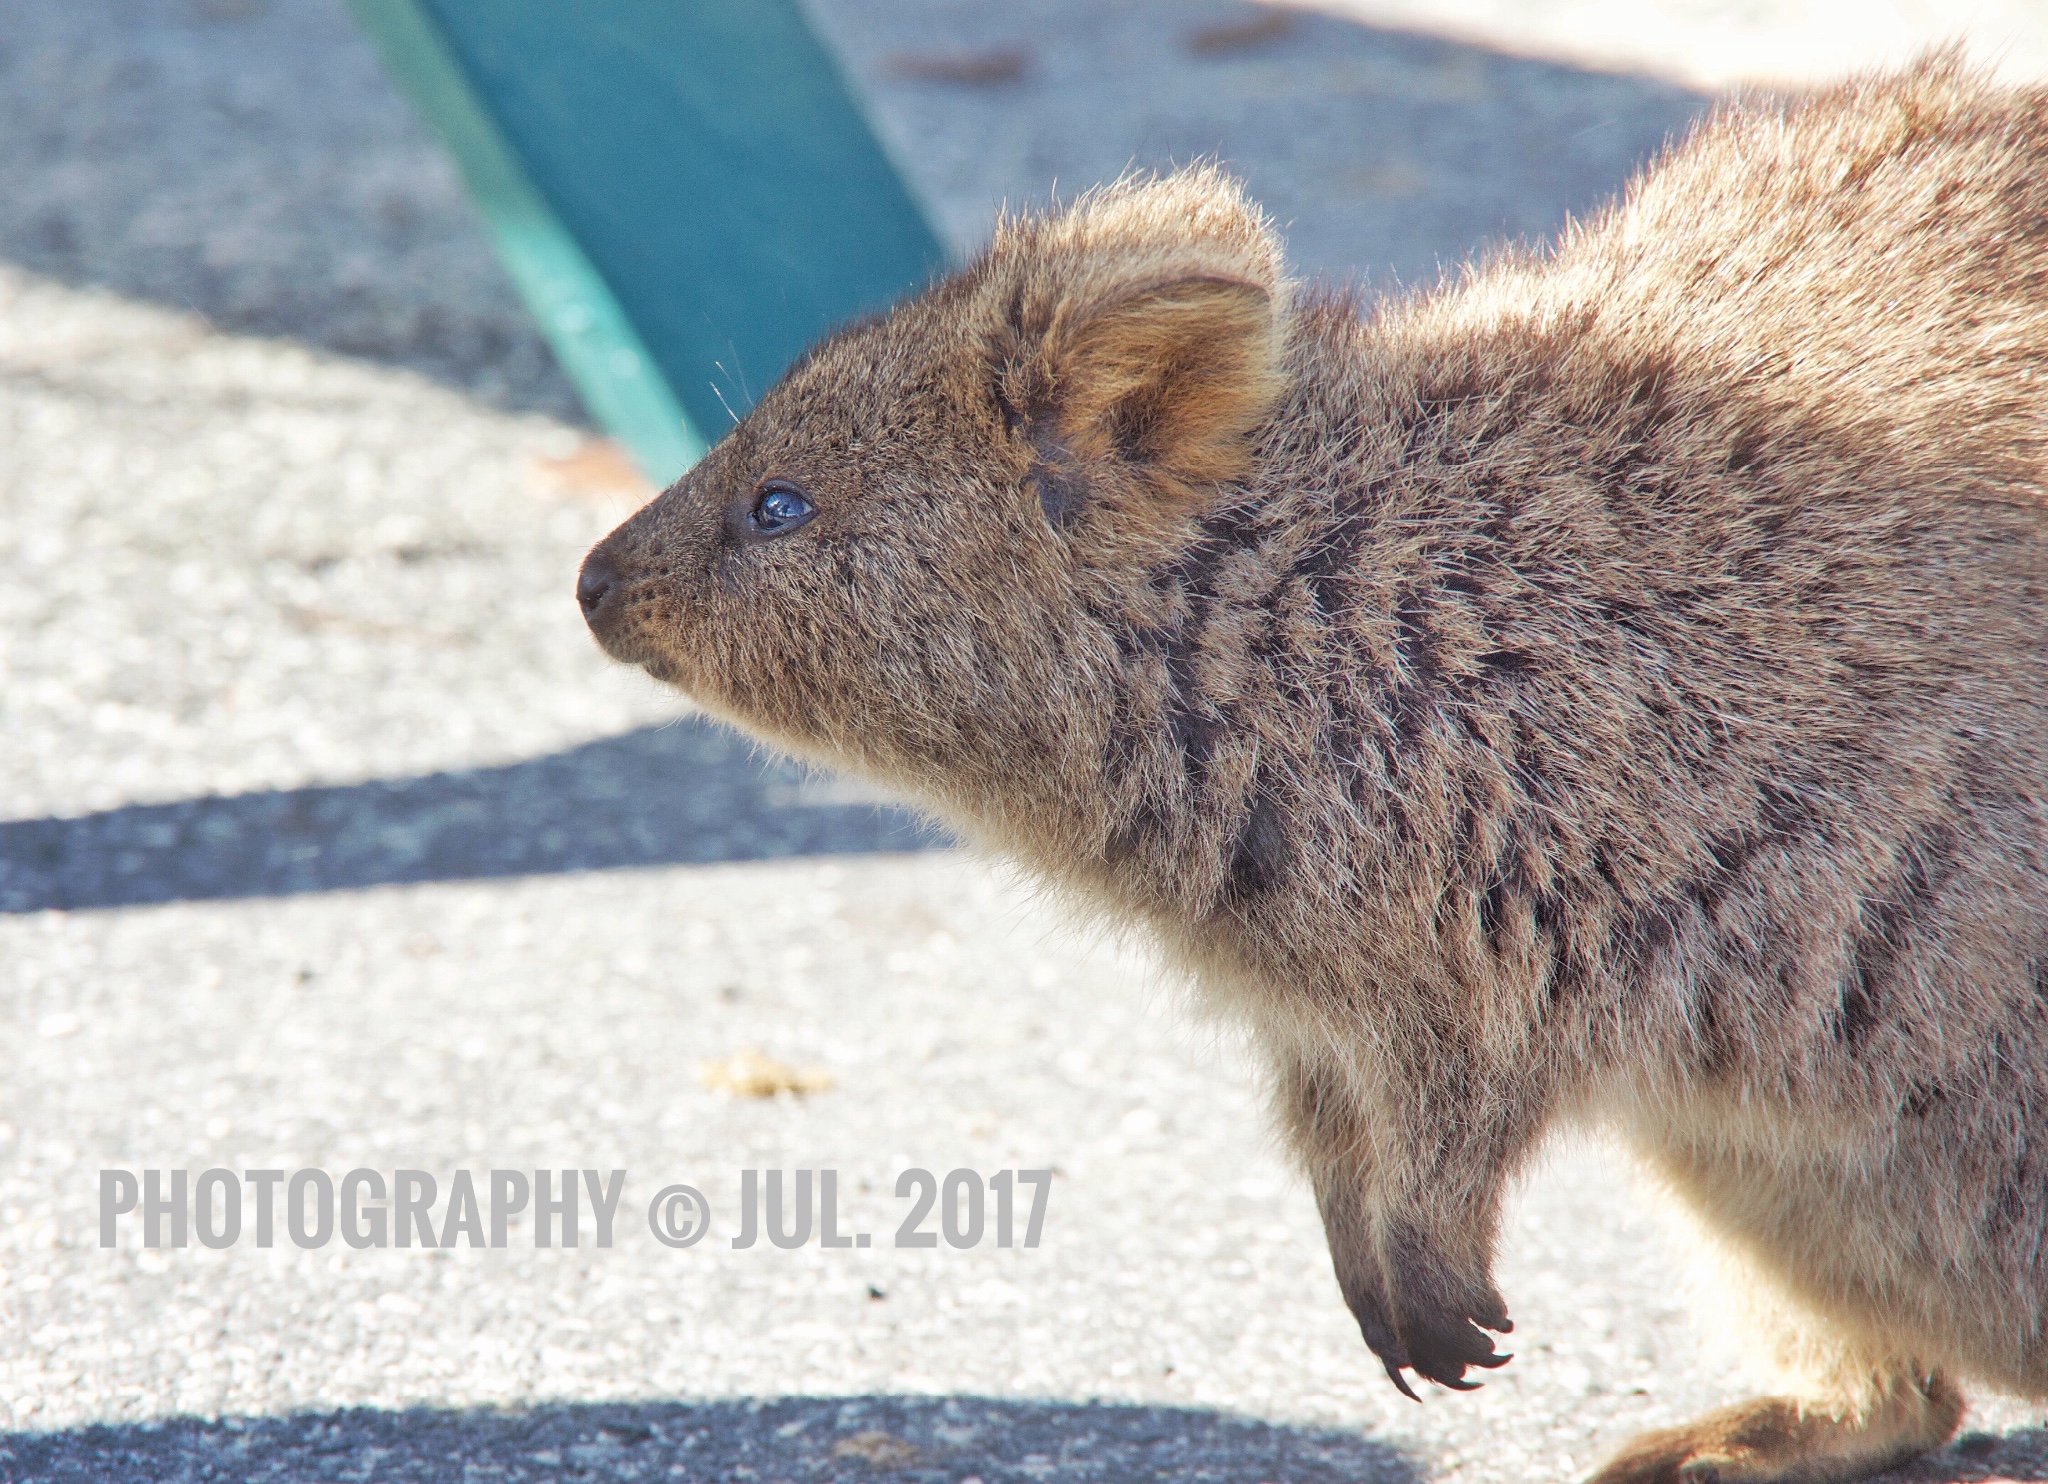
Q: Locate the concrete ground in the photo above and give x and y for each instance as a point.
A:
(330, 842)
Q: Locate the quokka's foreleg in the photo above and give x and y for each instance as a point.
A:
(1411, 1206)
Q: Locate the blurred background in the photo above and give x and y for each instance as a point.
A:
(327, 838)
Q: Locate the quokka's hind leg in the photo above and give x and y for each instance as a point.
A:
(1788, 1440)
(1853, 1399)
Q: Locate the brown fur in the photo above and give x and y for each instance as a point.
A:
(1612, 688)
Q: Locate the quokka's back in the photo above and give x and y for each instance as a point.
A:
(1874, 260)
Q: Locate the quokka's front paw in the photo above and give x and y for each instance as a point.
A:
(1442, 1346)
(1434, 1328)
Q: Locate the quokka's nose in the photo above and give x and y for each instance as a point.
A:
(598, 580)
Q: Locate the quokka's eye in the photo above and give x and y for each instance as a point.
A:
(780, 507)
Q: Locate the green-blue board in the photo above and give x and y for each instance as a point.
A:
(684, 190)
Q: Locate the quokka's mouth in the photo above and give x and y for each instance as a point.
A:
(662, 668)
(629, 644)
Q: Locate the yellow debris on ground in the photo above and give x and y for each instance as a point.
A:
(883, 1450)
(748, 1073)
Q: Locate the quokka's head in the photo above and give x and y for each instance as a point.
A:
(892, 561)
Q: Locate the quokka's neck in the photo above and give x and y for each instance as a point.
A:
(1278, 694)
(1291, 695)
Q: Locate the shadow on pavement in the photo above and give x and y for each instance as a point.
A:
(810, 1438)
(834, 1440)
(1980, 1458)
(685, 793)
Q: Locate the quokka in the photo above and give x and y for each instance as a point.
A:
(1610, 688)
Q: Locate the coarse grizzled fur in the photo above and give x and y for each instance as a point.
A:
(1609, 689)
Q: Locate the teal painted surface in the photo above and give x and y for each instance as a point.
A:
(710, 164)
(615, 373)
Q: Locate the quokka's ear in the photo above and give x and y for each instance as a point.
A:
(1171, 378)
(1141, 336)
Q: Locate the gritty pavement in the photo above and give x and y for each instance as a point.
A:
(1723, 43)
(329, 842)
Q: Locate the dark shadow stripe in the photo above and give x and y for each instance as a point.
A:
(824, 1439)
(1891, 922)
(687, 793)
